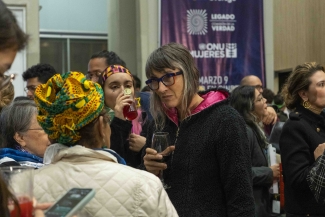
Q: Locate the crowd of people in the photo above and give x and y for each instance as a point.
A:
(73, 130)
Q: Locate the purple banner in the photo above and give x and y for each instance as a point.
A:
(225, 37)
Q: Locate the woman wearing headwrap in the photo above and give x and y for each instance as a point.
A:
(71, 112)
(114, 80)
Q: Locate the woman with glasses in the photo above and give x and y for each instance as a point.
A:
(23, 140)
(251, 105)
(71, 111)
(209, 168)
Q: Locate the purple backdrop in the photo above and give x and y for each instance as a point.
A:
(225, 37)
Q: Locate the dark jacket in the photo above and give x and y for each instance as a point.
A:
(262, 176)
(210, 169)
(300, 136)
(120, 132)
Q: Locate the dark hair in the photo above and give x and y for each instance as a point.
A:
(173, 56)
(268, 95)
(20, 98)
(87, 132)
(111, 58)
(137, 81)
(146, 89)
(42, 71)
(5, 197)
(278, 99)
(11, 36)
(242, 99)
(298, 80)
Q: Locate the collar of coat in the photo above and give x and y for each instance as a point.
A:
(58, 152)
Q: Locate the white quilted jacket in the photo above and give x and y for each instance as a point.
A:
(120, 190)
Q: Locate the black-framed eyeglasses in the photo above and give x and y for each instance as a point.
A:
(168, 80)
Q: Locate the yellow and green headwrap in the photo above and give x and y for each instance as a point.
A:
(66, 103)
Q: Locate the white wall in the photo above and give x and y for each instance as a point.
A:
(269, 45)
(73, 15)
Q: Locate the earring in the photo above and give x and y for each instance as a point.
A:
(104, 144)
(306, 104)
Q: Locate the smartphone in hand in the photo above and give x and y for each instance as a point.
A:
(71, 202)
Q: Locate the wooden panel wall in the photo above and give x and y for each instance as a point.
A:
(299, 32)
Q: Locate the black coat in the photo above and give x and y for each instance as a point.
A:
(262, 176)
(120, 131)
(300, 136)
(210, 169)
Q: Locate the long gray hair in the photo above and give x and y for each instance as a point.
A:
(16, 118)
(173, 56)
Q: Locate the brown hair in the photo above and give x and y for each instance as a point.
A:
(5, 197)
(298, 80)
(6, 95)
(88, 132)
(11, 36)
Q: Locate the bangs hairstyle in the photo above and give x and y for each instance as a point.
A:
(298, 80)
(173, 56)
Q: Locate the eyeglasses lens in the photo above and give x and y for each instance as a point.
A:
(168, 80)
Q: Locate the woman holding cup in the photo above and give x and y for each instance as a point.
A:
(209, 151)
(118, 86)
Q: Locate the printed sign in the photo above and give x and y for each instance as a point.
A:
(225, 37)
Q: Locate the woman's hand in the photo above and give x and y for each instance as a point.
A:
(152, 157)
(276, 171)
(136, 142)
(121, 101)
(39, 208)
(271, 117)
(319, 150)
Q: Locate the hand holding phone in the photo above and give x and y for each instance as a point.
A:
(71, 202)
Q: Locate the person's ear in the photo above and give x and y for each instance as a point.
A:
(101, 127)
(19, 139)
(303, 95)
